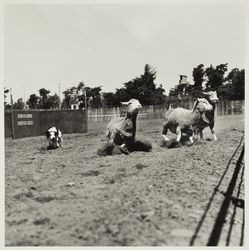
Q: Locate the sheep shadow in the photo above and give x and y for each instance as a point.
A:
(113, 149)
(173, 143)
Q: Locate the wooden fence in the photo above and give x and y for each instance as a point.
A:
(35, 122)
(157, 111)
(28, 123)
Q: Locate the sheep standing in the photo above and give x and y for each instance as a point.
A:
(208, 116)
(182, 120)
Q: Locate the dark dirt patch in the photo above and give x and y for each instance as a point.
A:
(89, 173)
(44, 199)
(140, 166)
(41, 221)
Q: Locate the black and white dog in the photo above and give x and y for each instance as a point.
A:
(54, 137)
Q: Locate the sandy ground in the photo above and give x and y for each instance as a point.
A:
(167, 197)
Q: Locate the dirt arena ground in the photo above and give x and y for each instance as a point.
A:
(167, 197)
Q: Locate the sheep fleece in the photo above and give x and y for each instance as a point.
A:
(180, 117)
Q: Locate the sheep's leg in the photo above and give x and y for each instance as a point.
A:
(59, 142)
(108, 137)
(201, 134)
(196, 134)
(191, 139)
(213, 132)
(179, 135)
(164, 132)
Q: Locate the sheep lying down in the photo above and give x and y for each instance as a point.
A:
(183, 121)
(121, 133)
(121, 140)
(119, 130)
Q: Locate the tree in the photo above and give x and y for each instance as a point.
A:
(158, 95)
(6, 91)
(67, 99)
(236, 78)
(33, 101)
(110, 100)
(93, 96)
(43, 101)
(53, 102)
(215, 76)
(198, 76)
(80, 88)
(44, 92)
(77, 95)
(121, 96)
(19, 104)
(142, 88)
(226, 92)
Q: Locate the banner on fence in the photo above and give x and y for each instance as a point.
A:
(35, 122)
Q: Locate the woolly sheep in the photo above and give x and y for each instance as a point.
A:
(208, 116)
(122, 130)
(182, 120)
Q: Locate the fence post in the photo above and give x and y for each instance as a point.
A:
(86, 109)
(12, 116)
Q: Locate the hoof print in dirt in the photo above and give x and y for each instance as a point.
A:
(41, 221)
(140, 166)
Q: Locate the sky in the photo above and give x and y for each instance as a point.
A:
(55, 46)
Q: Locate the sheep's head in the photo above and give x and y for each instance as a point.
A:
(133, 105)
(212, 96)
(202, 105)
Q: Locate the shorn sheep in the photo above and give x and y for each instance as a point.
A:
(121, 132)
(180, 120)
(209, 116)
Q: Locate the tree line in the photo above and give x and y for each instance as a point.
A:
(228, 87)
(143, 88)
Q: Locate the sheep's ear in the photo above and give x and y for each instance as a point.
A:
(195, 104)
(205, 94)
(124, 103)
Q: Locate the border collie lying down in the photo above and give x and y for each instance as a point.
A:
(54, 137)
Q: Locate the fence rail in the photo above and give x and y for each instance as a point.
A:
(34, 122)
(157, 111)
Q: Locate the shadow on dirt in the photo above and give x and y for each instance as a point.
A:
(113, 149)
(219, 221)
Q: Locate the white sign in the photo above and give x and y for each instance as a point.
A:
(25, 123)
(27, 116)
